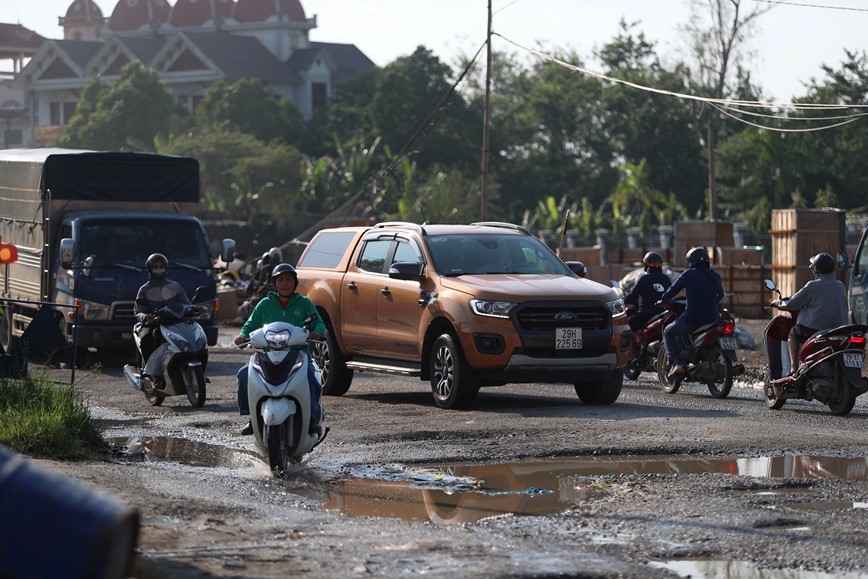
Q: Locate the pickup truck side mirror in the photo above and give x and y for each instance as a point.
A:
(66, 252)
(406, 270)
(227, 251)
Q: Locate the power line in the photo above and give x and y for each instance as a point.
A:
(806, 5)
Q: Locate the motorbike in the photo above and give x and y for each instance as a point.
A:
(709, 355)
(177, 365)
(279, 395)
(830, 364)
(646, 342)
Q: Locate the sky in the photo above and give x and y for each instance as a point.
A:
(790, 44)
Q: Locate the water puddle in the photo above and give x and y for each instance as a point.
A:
(742, 570)
(473, 492)
(825, 506)
(469, 493)
(181, 450)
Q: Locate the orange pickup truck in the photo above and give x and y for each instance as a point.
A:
(461, 306)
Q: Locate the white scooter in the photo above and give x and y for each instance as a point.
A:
(177, 365)
(279, 394)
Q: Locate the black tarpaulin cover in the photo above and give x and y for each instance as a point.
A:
(121, 176)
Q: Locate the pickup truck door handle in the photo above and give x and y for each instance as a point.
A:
(352, 286)
(386, 291)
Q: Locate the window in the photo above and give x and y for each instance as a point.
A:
(373, 256)
(406, 253)
(318, 95)
(327, 250)
(68, 111)
(54, 109)
(13, 137)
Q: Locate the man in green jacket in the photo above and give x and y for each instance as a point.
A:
(283, 305)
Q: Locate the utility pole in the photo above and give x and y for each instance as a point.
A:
(486, 121)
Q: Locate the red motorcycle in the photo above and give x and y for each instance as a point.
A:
(830, 364)
(709, 357)
(647, 341)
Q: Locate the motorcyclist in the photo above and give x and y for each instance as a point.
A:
(156, 293)
(282, 305)
(821, 303)
(648, 290)
(704, 292)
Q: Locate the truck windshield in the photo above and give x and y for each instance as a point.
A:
(129, 243)
(481, 254)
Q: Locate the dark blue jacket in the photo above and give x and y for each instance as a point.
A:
(704, 292)
(648, 290)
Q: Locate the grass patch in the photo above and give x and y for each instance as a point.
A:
(43, 419)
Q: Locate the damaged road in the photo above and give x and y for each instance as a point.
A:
(648, 487)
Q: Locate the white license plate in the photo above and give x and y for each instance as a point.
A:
(568, 338)
(852, 360)
(726, 343)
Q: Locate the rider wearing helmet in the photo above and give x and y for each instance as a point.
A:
(157, 292)
(704, 292)
(821, 303)
(282, 304)
(648, 290)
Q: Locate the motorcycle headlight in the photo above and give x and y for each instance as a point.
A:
(617, 307)
(491, 309)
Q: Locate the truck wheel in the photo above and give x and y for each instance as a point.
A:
(336, 377)
(600, 392)
(453, 381)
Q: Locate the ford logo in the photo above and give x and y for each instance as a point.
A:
(562, 316)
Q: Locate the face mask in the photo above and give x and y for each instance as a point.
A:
(159, 272)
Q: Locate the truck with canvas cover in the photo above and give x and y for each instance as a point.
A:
(84, 223)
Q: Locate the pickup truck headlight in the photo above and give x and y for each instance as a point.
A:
(617, 307)
(492, 309)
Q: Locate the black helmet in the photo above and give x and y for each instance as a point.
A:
(284, 268)
(153, 260)
(652, 259)
(696, 256)
(822, 263)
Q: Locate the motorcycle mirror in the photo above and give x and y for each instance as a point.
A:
(842, 263)
(770, 285)
(199, 291)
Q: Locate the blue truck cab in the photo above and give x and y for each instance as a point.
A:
(84, 223)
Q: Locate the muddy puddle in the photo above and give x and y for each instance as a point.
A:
(473, 492)
(742, 570)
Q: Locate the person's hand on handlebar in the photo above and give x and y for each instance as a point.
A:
(315, 336)
(241, 340)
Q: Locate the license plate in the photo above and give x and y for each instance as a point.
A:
(726, 343)
(852, 360)
(568, 338)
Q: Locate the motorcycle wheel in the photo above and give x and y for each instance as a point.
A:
(196, 388)
(772, 401)
(278, 439)
(717, 388)
(846, 399)
(663, 367)
(632, 371)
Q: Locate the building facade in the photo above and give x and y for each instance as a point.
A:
(191, 44)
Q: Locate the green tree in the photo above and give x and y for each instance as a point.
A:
(129, 114)
(247, 106)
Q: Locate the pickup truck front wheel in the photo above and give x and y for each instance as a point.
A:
(336, 377)
(453, 381)
(601, 392)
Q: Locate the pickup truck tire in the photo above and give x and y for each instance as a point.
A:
(600, 392)
(453, 381)
(336, 377)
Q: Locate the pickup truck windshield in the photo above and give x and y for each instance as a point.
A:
(480, 254)
(130, 242)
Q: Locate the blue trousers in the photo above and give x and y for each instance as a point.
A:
(673, 335)
(315, 393)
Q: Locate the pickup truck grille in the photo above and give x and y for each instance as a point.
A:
(571, 315)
